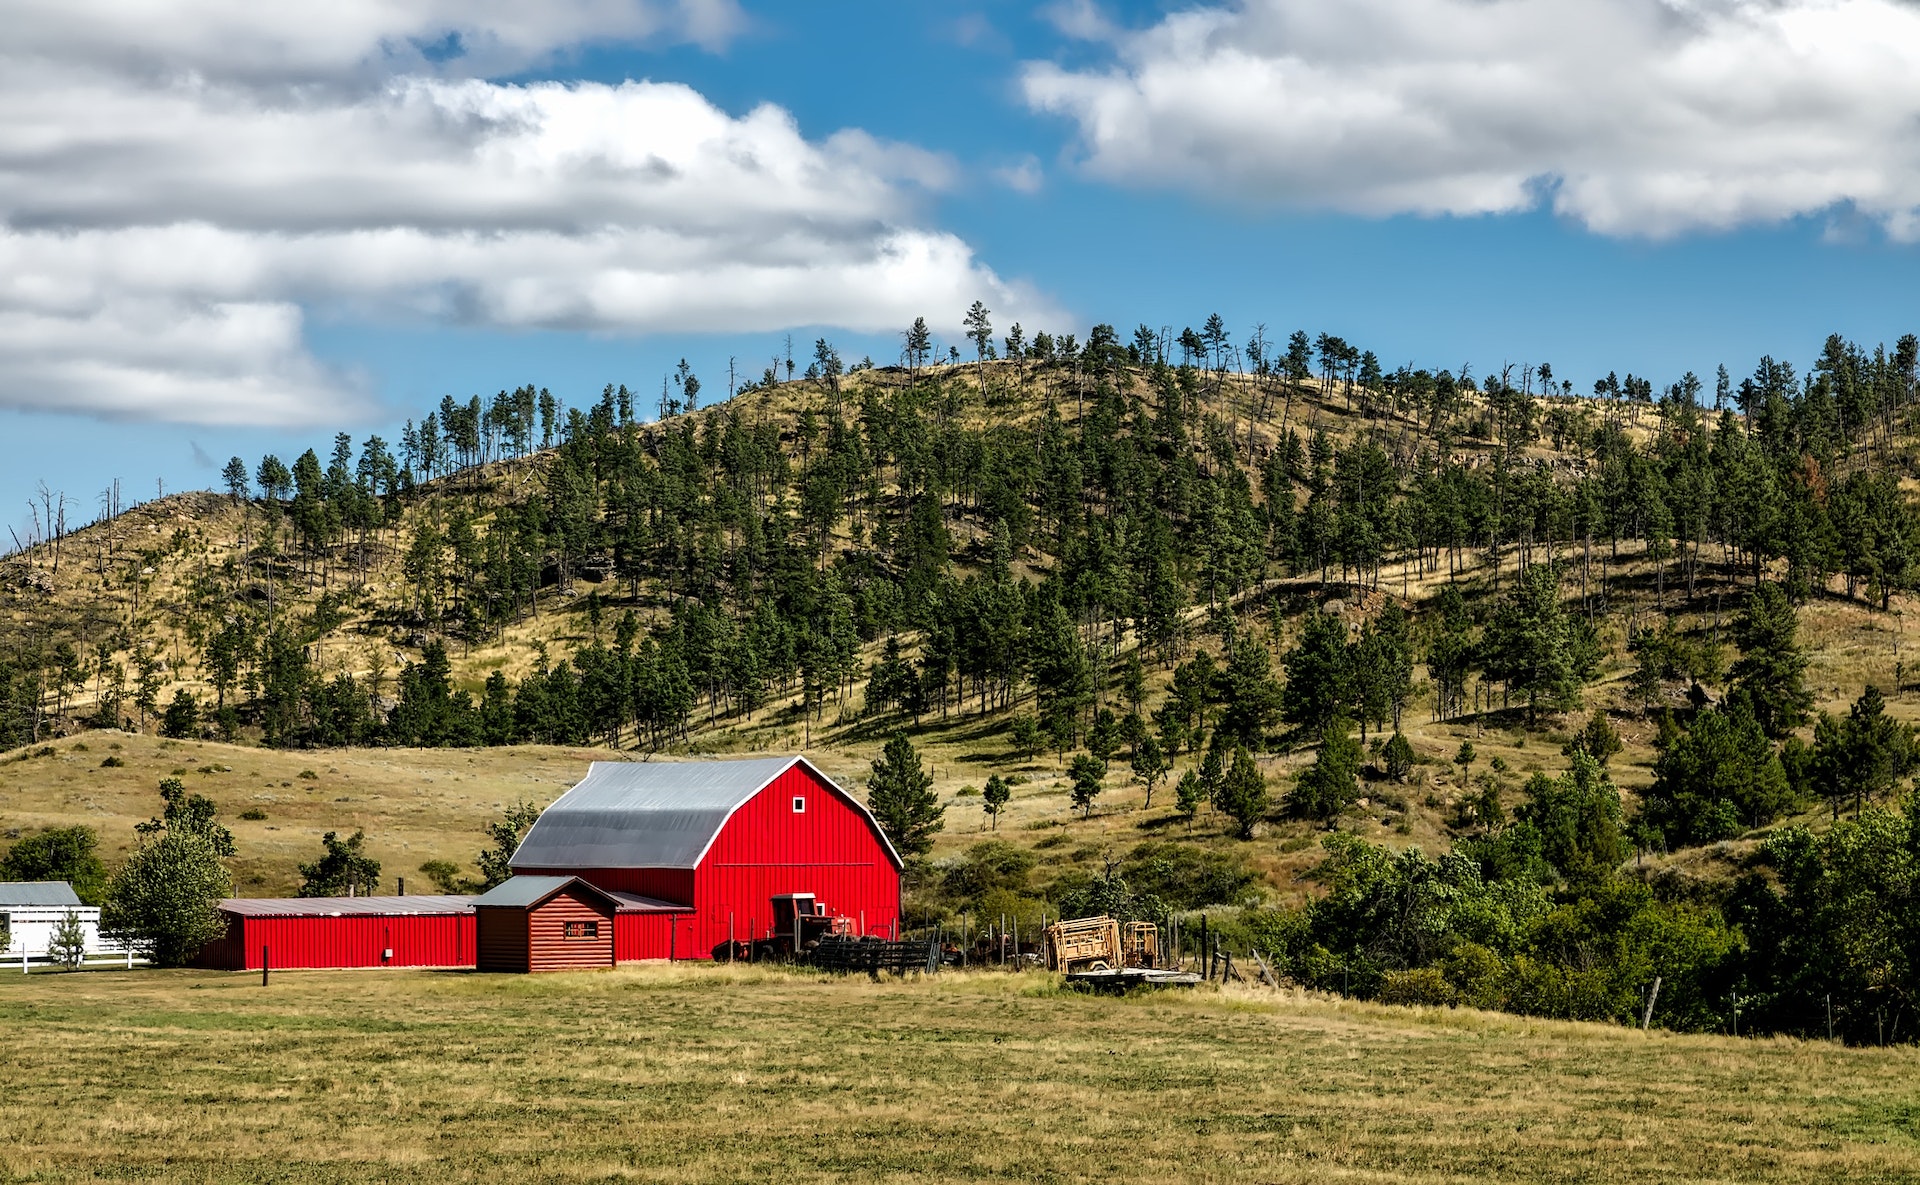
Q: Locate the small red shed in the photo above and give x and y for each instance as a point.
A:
(544, 923)
(716, 841)
(425, 931)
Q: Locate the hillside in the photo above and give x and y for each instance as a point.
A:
(977, 555)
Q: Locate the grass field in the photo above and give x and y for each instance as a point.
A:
(702, 1074)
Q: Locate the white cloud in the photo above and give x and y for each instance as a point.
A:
(164, 235)
(1023, 176)
(279, 44)
(1632, 117)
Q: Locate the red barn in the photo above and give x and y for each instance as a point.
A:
(427, 931)
(698, 850)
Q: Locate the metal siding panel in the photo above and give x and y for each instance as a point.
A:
(766, 849)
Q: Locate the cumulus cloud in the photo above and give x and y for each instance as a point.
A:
(292, 43)
(165, 233)
(1648, 118)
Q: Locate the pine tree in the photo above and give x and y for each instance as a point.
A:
(1252, 697)
(1772, 668)
(1188, 795)
(1087, 773)
(1331, 783)
(995, 797)
(1243, 792)
(1529, 645)
(900, 795)
(1318, 672)
(1150, 764)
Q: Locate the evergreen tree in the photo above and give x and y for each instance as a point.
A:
(1530, 647)
(1252, 696)
(995, 797)
(1150, 764)
(1772, 668)
(1715, 780)
(900, 795)
(1398, 756)
(1577, 817)
(1188, 795)
(1243, 792)
(1863, 756)
(182, 719)
(1332, 782)
(1318, 671)
(1088, 774)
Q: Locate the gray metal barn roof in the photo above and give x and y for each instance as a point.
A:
(53, 893)
(524, 892)
(335, 907)
(656, 814)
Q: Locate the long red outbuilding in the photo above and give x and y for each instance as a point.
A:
(296, 932)
(691, 854)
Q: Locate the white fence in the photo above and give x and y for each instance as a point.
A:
(98, 959)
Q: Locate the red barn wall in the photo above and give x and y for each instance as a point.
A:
(765, 849)
(639, 936)
(674, 885)
(417, 940)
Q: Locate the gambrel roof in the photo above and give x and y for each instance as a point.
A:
(657, 814)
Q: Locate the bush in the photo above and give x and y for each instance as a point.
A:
(1421, 985)
(253, 814)
(444, 874)
(1398, 756)
(1187, 876)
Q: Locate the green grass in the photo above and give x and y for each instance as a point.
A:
(700, 1073)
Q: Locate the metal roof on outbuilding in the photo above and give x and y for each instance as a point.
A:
(44, 893)
(339, 907)
(525, 892)
(657, 814)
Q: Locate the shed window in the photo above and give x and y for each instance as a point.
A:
(799, 805)
(583, 929)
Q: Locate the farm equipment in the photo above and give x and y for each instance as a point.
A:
(799, 925)
(1101, 944)
(1104, 954)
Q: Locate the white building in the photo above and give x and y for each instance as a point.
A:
(29, 910)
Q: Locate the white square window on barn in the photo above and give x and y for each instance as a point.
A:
(799, 805)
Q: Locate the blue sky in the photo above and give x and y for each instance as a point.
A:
(1169, 163)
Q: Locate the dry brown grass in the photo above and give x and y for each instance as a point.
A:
(415, 805)
(700, 1073)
